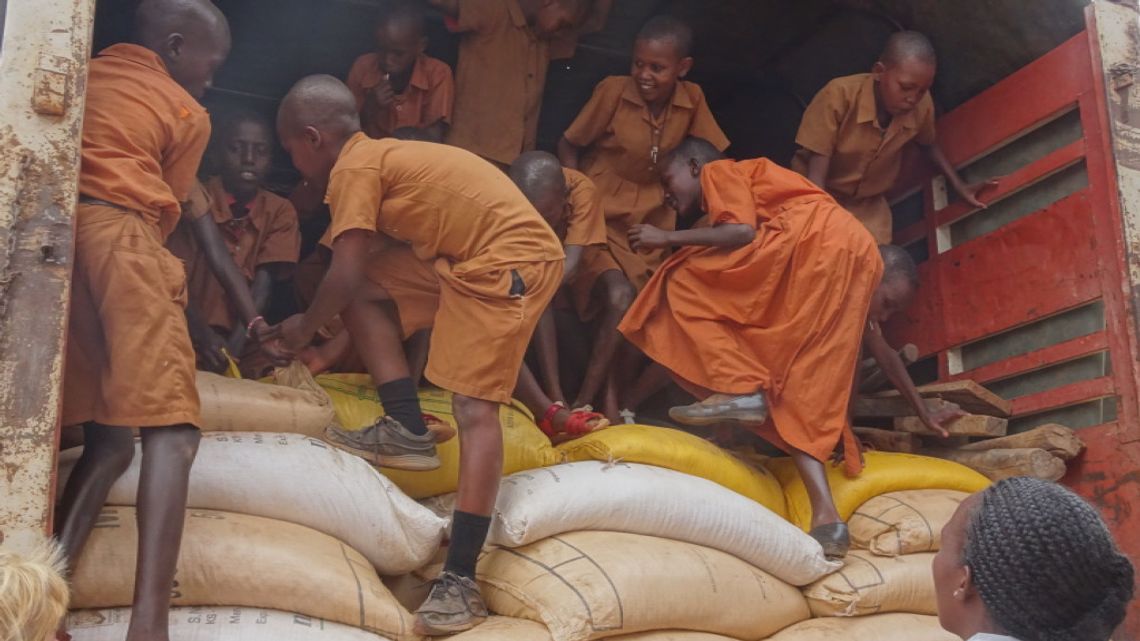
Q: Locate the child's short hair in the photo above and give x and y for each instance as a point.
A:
(908, 45)
(670, 29)
(33, 594)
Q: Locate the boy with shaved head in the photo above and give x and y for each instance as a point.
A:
(130, 363)
(854, 131)
(761, 312)
(399, 85)
(468, 249)
(504, 52)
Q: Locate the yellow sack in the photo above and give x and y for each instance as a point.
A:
(680, 451)
(870, 584)
(904, 522)
(884, 472)
(357, 406)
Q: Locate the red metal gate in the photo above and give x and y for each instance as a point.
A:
(1030, 296)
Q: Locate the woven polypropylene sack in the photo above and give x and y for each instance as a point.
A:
(880, 627)
(217, 624)
(904, 522)
(870, 584)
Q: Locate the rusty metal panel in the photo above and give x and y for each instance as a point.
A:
(42, 79)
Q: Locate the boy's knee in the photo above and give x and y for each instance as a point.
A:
(178, 443)
(474, 413)
(112, 447)
(620, 295)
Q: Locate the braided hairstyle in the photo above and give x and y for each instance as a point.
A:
(1045, 564)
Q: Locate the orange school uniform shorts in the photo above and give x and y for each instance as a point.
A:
(482, 322)
(129, 358)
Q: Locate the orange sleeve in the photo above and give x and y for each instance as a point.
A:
(596, 116)
(704, 124)
(927, 133)
(354, 200)
(441, 96)
(480, 15)
(180, 160)
(587, 222)
(355, 80)
(819, 129)
(282, 242)
(728, 194)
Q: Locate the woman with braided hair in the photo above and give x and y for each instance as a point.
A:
(1028, 560)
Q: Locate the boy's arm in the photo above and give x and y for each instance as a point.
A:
(568, 153)
(573, 262)
(336, 291)
(818, 166)
(969, 193)
(206, 342)
(260, 289)
(896, 372)
(729, 236)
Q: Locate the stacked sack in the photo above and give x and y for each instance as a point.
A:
(286, 538)
(895, 510)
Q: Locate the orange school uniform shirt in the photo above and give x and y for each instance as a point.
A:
(267, 233)
(426, 100)
(129, 358)
(499, 80)
(842, 123)
(784, 314)
(623, 144)
(584, 217)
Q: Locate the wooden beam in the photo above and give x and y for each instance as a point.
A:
(1002, 464)
(891, 407)
(970, 425)
(1058, 440)
(968, 395)
(888, 440)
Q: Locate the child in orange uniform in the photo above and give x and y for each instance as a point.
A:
(475, 255)
(629, 124)
(399, 85)
(853, 133)
(130, 363)
(569, 202)
(499, 80)
(260, 235)
(761, 312)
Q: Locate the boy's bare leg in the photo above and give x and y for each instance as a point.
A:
(168, 454)
(546, 349)
(371, 322)
(617, 294)
(480, 455)
(418, 345)
(827, 526)
(107, 453)
(653, 379)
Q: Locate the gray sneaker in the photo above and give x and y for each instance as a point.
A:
(387, 443)
(454, 605)
(719, 408)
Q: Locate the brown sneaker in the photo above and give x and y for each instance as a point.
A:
(454, 605)
(719, 408)
(387, 443)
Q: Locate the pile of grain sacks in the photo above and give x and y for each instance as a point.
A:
(635, 533)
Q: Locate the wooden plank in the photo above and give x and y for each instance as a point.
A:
(967, 394)
(1072, 394)
(1002, 464)
(971, 425)
(1058, 440)
(888, 440)
(1038, 359)
(877, 407)
(995, 282)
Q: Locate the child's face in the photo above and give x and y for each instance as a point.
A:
(682, 182)
(892, 296)
(305, 149)
(245, 157)
(398, 44)
(657, 68)
(553, 17)
(552, 207)
(903, 84)
(192, 61)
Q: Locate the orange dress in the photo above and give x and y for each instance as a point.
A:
(472, 254)
(622, 145)
(267, 234)
(842, 123)
(784, 314)
(129, 358)
(428, 98)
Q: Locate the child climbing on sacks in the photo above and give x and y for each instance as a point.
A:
(468, 251)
